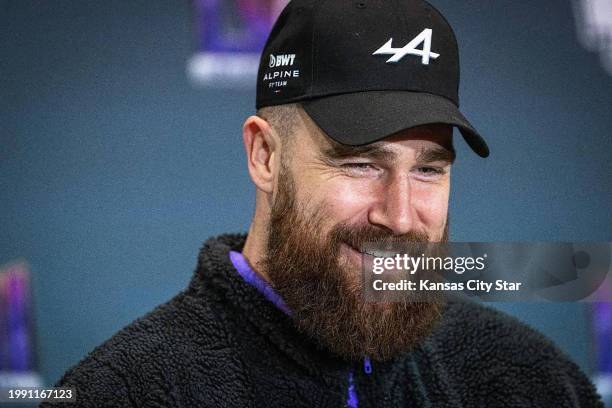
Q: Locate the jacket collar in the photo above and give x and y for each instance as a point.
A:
(216, 272)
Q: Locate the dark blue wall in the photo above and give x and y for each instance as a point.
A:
(114, 169)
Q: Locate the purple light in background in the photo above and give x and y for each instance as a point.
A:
(602, 319)
(234, 25)
(15, 324)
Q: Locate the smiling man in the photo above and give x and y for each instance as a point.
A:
(319, 202)
(352, 144)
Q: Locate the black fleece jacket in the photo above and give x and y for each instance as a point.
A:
(221, 343)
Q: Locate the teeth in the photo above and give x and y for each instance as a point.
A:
(379, 254)
(376, 253)
(373, 252)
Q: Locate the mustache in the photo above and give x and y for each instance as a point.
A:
(365, 236)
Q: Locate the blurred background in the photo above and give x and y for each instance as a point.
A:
(121, 152)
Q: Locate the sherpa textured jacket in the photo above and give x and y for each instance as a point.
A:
(221, 343)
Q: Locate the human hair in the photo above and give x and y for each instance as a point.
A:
(283, 119)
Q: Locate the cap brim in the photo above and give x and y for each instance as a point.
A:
(364, 117)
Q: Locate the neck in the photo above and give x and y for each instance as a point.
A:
(255, 245)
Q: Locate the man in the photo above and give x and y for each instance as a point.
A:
(352, 144)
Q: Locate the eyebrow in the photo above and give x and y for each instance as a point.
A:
(339, 151)
(434, 154)
(375, 152)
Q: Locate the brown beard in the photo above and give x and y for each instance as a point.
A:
(325, 294)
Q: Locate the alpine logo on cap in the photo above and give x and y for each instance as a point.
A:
(410, 48)
(282, 71)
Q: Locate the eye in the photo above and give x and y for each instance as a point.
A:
(431, 171)
(360, 168)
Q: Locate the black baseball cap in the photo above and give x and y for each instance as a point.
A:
(365, 69)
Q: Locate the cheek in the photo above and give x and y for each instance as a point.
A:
(431, 205)
(344, 201)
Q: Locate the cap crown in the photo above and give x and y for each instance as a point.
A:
(328, 47)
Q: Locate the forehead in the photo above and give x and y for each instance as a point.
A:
(312, 138)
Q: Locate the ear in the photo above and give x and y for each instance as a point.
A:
(262, 151)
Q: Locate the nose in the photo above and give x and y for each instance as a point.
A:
(394, 210)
